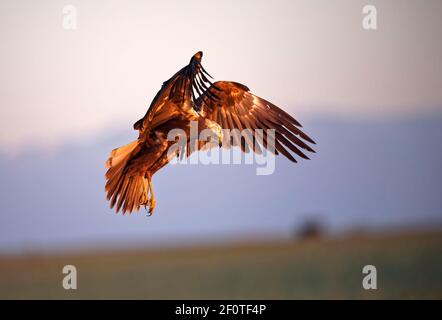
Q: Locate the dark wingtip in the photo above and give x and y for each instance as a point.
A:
(204, 70)
(307, 138)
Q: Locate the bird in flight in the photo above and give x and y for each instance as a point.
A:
(189, 96)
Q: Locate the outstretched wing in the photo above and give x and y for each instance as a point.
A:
(177, 95)
(235, 107)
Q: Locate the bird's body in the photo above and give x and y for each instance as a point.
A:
(190, 96)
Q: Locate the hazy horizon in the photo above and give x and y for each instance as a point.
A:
(366, 176)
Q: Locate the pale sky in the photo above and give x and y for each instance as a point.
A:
(312, 58)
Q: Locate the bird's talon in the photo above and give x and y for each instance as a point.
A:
(152, 206)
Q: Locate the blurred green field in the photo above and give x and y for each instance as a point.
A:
(408, 266)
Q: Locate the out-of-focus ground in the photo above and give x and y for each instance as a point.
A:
(409, 265)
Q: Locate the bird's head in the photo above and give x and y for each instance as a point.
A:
(197, 57)
(195, 62)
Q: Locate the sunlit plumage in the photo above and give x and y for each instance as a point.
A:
(188, 96)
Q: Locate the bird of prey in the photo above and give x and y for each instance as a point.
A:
(189, 96)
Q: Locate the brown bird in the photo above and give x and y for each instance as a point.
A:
(190, 96)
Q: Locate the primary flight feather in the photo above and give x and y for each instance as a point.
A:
(189, 96)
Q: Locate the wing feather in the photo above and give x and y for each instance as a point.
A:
(177, 96)
(237, 108)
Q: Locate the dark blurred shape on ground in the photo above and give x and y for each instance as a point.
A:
(310, 229)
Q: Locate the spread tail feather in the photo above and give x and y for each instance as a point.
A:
(124, 190)
(119, 154)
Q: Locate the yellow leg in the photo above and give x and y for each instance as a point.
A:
(152, 200)
(144, 200)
